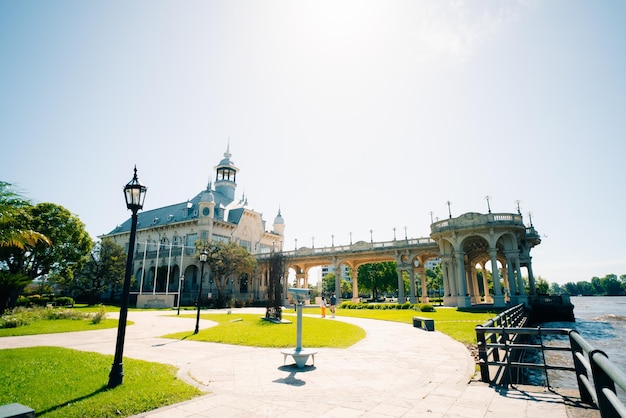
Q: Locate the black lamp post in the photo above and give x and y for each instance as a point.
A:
(203, 258)
(135, 193)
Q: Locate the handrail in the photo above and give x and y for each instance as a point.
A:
(596, 375)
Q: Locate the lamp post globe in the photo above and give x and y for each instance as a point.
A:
(134, 193)
(203, 258)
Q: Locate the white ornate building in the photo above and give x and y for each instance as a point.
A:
(165, 253)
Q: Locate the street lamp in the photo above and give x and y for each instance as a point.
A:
(135, 193)
(203, 258)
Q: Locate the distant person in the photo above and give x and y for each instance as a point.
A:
(323, 306)
(333, 302)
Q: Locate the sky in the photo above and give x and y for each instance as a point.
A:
(349, 116)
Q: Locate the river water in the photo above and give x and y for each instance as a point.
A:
(601, 321)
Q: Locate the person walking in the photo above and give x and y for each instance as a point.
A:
(323, 306)
(333, 302)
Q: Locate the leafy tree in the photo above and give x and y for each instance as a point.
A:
(378, 277)
(17, 239)
(346, 289)
(225, 259)
(328, 283)
(104, 271)
(555, 289)
(434, 279)
(611, 285)
(597, 286)
(12, 209)
(71, 244)
(542, 286)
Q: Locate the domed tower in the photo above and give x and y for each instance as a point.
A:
(279, 224)
(226, 171)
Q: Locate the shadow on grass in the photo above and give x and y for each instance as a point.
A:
(64, 404)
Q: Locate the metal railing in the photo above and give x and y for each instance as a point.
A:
(503, 341)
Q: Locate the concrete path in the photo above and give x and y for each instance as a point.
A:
(396, 371)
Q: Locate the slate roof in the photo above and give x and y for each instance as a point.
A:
(181, 212)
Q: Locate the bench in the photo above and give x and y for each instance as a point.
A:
(424, 323)
(16, 410)
(299, 356)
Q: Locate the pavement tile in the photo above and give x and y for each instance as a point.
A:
(396, 371)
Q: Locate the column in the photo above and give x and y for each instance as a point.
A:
(523, 298)
(401, 298)
(475, 289)
(422, 273)
(461, 279)
(488, 298)
(510, 279)
(531, 278)
(355, 285)
(498, 298)
(412, 289)
(463, 295)
(337, 281)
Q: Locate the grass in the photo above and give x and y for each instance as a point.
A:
(456, 324)
(58, 325)
(59, 382)
(251, 330)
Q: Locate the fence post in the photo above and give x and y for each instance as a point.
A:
(581, 370)
(482, 354)
(602, 381)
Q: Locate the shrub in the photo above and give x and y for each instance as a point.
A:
(99, 316)
(64, 301)
(426, 307)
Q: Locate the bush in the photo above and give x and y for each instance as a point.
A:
(22, 316)
(426, 307)
(64, 301)
(99, 316)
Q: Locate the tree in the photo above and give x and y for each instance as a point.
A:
(225, 259)
(12, 208)
(71, 244)
(346, 289)
(542, 286)
(434, 279)
(611, 285)
(17, 239)
(378, 277)
(275, 289)
(328, 283)
(555, 289)
(104, 271)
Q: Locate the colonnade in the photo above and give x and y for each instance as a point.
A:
(465, 245)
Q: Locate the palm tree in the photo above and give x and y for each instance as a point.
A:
(11, 235)
(14, 238)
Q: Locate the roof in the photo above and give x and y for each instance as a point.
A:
(182, 212)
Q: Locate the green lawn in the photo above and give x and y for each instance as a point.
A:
(59, 382)
(456, 324)
(58, 325)
(251, 330)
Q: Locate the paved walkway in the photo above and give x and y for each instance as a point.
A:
(396, 371)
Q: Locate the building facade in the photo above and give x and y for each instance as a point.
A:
(166, 266)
